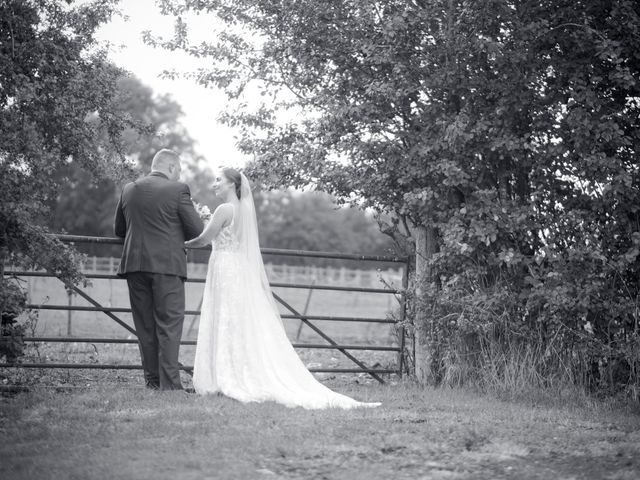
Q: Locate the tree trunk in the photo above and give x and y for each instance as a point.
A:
(425, 239)
(4, 254)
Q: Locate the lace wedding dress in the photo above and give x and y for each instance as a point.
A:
(242, 349)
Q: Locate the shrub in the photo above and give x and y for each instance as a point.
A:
(13, 300)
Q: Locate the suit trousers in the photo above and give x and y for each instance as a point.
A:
(157, 305)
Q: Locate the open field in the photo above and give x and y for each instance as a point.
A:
(118, 432)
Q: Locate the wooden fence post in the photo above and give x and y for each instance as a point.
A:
(69, 313)
(425, 241)
(4, 253)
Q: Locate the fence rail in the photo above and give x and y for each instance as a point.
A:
(193, 342)
(327, 274)
(81, 308)
(283, 273)
(103, 366)
(104, 276)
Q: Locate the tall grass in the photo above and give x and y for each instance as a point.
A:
(484, 339)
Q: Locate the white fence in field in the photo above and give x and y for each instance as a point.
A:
(334, 276)
(304, 274)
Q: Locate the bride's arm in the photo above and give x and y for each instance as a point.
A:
(220, 218)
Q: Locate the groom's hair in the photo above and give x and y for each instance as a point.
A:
(164, 158)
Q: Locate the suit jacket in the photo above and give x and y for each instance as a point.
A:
(155, 216)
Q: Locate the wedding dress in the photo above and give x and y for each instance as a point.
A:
(242, 348)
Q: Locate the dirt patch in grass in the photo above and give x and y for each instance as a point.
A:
(114, 429)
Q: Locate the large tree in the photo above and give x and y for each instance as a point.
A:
(503, 135)
(58, 106)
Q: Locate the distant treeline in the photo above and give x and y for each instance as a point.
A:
(287, 220)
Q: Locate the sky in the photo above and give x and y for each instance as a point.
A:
(201, 106)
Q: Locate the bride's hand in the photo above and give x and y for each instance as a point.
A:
(195, 242)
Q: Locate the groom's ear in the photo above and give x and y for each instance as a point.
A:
(175, 170)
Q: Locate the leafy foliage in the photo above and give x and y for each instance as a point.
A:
(57, 97)
(57, 107)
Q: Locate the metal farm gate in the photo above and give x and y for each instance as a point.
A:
(310, 321)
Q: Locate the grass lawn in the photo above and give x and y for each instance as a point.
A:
(118, 430)
(89, 424)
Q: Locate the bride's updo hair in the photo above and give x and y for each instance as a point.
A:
(234, 176)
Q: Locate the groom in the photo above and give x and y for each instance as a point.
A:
(155, 216)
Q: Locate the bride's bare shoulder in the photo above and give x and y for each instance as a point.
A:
(225, 206)
(224, 210)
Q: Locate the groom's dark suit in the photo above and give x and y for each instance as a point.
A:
(155, 216)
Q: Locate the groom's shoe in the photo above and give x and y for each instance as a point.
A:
(153, 386)
(172, 388)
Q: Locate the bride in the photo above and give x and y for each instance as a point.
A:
(242, 349)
